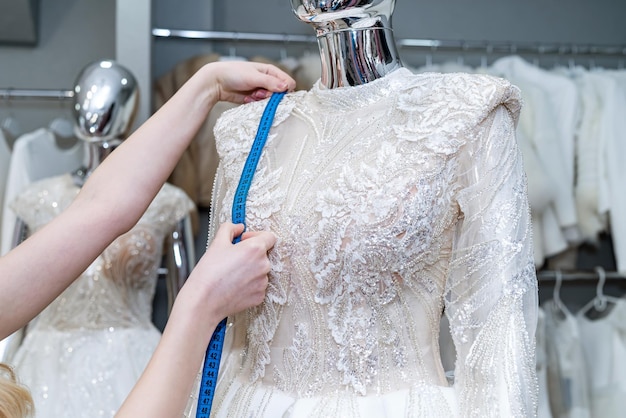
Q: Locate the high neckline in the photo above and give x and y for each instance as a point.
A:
(355, 97)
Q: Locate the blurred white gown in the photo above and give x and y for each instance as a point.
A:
(603, 341)
(391, 201)
(85, 351)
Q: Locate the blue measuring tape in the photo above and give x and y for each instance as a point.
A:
(214, 350)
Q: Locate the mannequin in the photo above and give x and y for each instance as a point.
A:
(396, 198)
(102, 128)
(85, 351)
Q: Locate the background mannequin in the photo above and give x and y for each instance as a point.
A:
(85, 351)
(105, 105)
(395, 197)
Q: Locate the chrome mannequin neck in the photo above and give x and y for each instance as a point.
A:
(355, 39)
(352, 57)
(95, 153)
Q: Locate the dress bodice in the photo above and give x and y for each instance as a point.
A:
(117, 289)
(392, 202)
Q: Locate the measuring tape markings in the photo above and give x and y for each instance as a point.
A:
(214, 350)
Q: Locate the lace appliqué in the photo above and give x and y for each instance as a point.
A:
(368, 214)
(359, 270)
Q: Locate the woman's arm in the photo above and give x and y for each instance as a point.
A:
(118, 192)
(229, 278)
(133, 174)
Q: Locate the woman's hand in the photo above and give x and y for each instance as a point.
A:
(228, 278)
(232, 277)
(244, 81)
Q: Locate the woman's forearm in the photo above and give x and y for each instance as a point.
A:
(229, 278)
(35, 272)
(112, 200)
(170, 375)
(129, 178)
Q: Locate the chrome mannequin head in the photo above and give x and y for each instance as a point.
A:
(336, 15)
(354, 37)
(105, 102)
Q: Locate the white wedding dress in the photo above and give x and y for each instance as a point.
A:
(392, 201)
(83, 354)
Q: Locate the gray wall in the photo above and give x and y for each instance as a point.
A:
(72, 33)
(179, 14)
(580, 21)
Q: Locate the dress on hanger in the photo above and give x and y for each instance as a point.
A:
(615, 103)
(604, 348)
(36, 156)
(567, 376)
(593, 132)
(391, 200)
(600, 173)
(86, 350)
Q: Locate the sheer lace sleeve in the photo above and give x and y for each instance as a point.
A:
(491, 293)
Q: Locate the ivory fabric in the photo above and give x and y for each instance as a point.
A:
(393, 202)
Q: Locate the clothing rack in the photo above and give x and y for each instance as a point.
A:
(432, 45)
(36, 94)
(552, 275)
